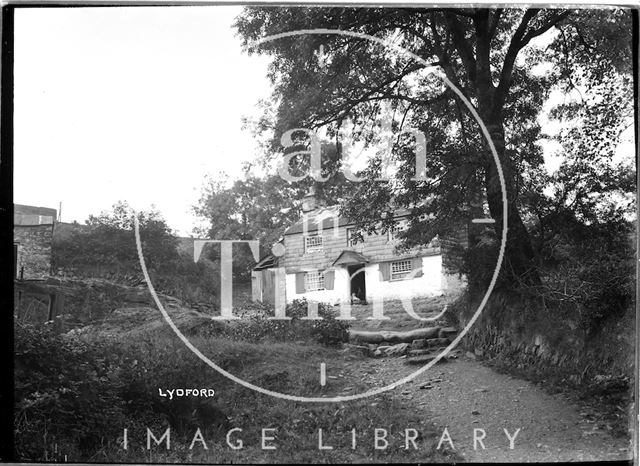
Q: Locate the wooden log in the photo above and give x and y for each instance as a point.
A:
(392, 336)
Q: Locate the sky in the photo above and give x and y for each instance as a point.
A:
(139, 104)
(135, 104)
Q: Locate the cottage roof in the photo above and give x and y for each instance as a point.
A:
(319, 219)
(325, 218)
(267, 262)
(348, 257)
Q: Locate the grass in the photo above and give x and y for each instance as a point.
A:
(399, 319)
(158, 359)
(289, 368)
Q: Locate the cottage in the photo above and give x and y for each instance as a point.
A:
(32, 241)
(322, 260)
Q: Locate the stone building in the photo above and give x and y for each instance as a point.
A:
(32, 241)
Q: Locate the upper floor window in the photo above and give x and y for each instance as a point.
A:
(402, 225)
(312, 243)
(314, 281)
(352, 239)
(400, 269)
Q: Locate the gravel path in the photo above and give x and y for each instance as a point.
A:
(465, 395)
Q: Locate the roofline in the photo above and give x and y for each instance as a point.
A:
(331, 225)
(30, 225)
(25, 209)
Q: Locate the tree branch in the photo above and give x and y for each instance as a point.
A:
(348, 105)
(519, 40)
(545, 27)
(462, 45)
(443, 55)
(510, 58)
(484, 82)
(494, 22)
(466, 12)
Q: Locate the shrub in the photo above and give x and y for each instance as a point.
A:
(591, 268)
(66, 395)
(257, 326)
(106, 248)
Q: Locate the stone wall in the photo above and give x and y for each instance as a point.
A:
(543, 343)
(34, 250)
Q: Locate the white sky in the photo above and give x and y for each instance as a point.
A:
(137, 104)
(133, 104)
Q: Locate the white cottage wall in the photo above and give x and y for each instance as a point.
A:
(430, 283)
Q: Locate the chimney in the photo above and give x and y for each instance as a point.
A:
(309, 201)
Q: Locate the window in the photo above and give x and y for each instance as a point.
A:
(400, 269)
(314, 281)
(312, 243)
(402, 225)
(352, 240)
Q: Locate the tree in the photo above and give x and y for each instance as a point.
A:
(106, 247)
(107, 242)
(113, 236)
(486, 53)
(262, 208)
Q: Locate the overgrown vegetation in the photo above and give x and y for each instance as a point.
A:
(74, 398)
(259, 325)
(586, 270)
(67, 395)
(105, 247)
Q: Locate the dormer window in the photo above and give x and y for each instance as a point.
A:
(312, 244)
(352, 239)
(402, 225)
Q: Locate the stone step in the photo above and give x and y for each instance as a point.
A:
(424, 358)
(421, 352)
(448, 332)
(428, 342)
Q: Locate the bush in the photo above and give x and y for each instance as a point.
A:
(106, 248)
(259, 327)
(161, 362)
(73, 398)
(591, 268)
(66, 395)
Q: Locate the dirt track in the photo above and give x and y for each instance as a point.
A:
(472, 396)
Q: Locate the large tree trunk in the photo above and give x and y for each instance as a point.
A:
(518, 265)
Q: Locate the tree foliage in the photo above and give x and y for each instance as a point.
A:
(490, 56)
(262, 207)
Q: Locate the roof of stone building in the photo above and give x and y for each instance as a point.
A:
(26, 215)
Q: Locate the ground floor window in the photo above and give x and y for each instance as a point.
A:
(400, 269)
(314, 281)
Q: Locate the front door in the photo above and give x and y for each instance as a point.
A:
(358, 292)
